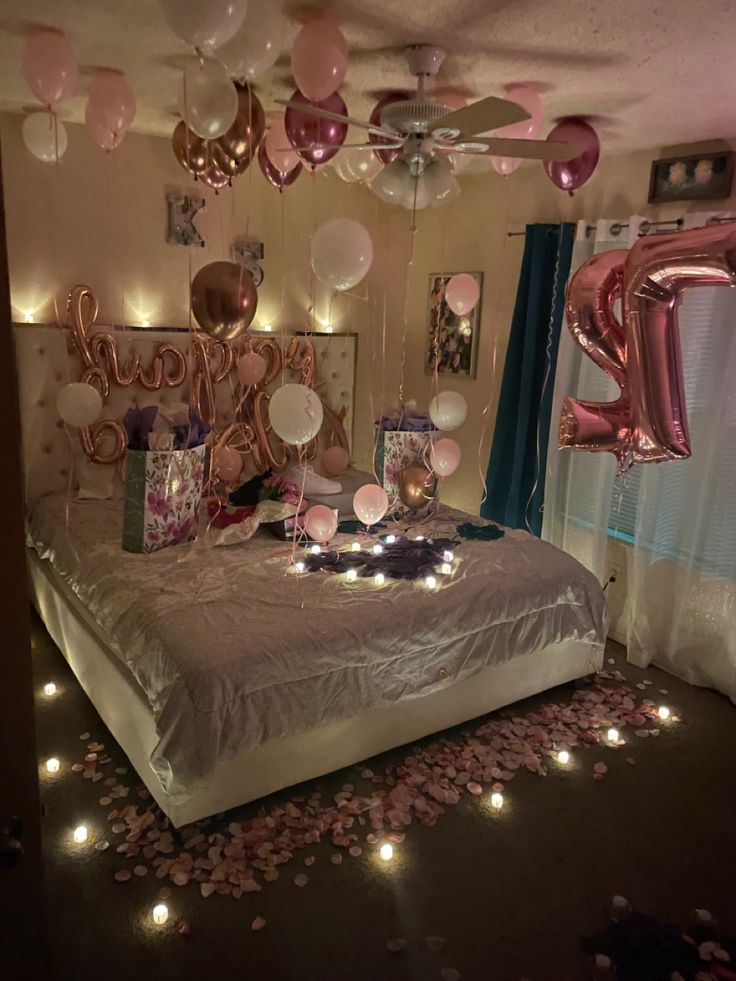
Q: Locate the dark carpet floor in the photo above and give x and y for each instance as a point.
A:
(511, 895)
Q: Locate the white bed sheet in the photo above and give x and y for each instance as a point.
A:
(231, 652)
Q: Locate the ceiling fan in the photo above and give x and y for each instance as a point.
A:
(422, 128)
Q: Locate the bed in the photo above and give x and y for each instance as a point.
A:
(224, 676)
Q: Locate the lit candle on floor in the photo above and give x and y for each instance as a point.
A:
(379, 579)
(386, 852)
(351, 575)
(49, 689)
(663, 712)
(612, 735)
(52, 765)
(80, 834)
(160, 913)
(496, 800)
(563, 757)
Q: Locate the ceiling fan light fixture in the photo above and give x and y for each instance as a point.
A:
(391, 181)
(416, 195)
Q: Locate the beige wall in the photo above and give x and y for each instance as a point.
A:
(102, 220)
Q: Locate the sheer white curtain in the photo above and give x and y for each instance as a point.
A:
(681, 596)
(677, 520)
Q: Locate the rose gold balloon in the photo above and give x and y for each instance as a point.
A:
(335, 460)
(224, 300)
(417, 485)
(190, 150)
(214, 178)
(234, 150)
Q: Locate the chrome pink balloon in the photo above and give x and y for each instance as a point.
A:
(569, 175)
(648, 422)
(320, 523)
(49, 66)
(112, 100)
(462, 292)
(370, 503)
(385, 156)
(278, 148)
(251, 368)
(100, 133)
(315, 139)
(528, 129)
(319, 59)
(272, 174)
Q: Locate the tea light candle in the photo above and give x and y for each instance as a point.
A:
(448, 556)
(446, 568)
(299, 566)
(355, 547)
(80, 834)
(419, 538)
(496, 800)
(377, 549)
(612, 735)
(430, 582)
(663, 712)
(315, 549)
(49, 689)
(387, 851)
(563, 757)
(379, 579)
(390, 539)
(351, 575)
(160, 914)
(52, 765)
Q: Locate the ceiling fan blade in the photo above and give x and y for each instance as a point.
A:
(353, 146)
(526, 149)
(337, 117)
(483, 116)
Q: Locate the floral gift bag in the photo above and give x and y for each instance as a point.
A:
(163, 484)
(402, 439)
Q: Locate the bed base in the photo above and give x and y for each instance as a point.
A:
(277, 764)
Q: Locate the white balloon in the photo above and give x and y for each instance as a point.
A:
(295, 412)
(342, 253)
(208, 100)
(353, 164)
(448, 411)
(205, 24)
(79, 404)
(45, 137)
(256, 46)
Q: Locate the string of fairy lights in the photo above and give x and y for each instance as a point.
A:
(80, 836)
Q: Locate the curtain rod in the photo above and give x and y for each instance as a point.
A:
(618, 226)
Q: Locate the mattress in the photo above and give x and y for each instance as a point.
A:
(232, 650)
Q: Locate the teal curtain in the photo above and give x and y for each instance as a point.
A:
(519, 450)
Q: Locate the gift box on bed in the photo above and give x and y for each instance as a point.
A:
(403, 438)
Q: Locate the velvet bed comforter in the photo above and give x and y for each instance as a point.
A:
(232, 650)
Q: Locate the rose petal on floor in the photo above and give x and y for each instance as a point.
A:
(258, 923)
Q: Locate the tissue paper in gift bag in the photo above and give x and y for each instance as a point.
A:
(163, 490)
(402, 439)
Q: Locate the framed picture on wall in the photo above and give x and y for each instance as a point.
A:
(701, 177)
(451, 340)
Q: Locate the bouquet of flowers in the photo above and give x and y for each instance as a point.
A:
(279, 487)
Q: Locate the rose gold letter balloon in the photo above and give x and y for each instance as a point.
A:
(224, 299)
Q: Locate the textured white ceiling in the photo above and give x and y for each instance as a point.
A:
(648, 73)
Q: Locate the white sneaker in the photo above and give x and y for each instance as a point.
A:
(313, 482)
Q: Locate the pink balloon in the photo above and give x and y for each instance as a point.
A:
(370, 503)
(316, 140)
(385, 156)
(228, 464)
(528, 129)
(103, 137)
(278, 148)
(320, 523)
(450, 98)
(272, 174)
(462, 293)
(112, 100)
(251, 368)
(445, 457)
(319, 59)
(569, 175)
(49, 66)
(335, 461)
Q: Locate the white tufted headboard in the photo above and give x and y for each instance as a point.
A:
(46, 359)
